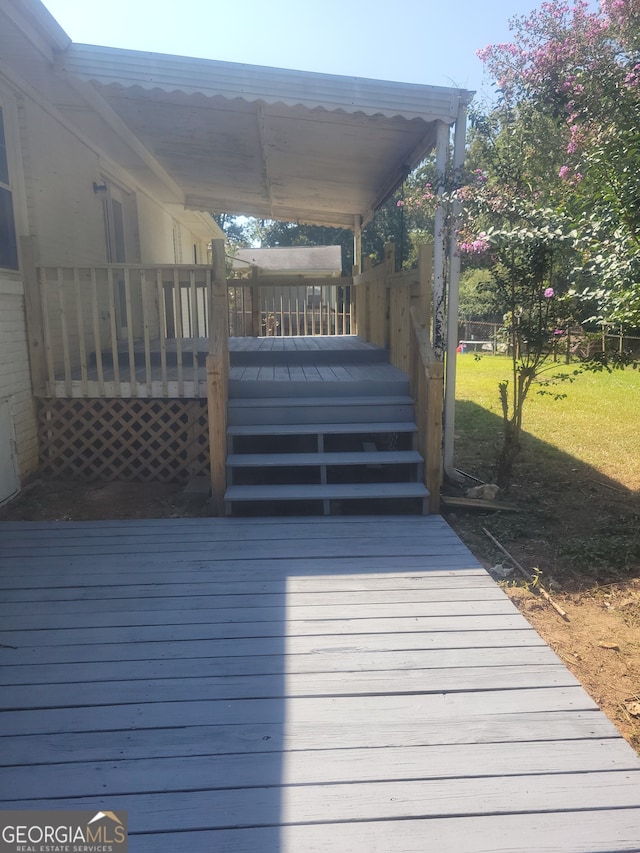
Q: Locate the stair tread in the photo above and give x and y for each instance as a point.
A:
(383, 457)
(274, 402)
(326, 491)
(321, 428)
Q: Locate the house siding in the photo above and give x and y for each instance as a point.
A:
(15, 379)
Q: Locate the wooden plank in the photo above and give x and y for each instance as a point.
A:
(268, 460)
(289, 527)
(64, 331)
(326, 429)
(130, 343)
(97, 338)
(279, 628)
(245, 608)
(355, 661)
(176, 649)
(34, 317)
(144, 297)
(218, 380)
(194, 325)
(177, 308)
(324, 491)
(572, 832)
(321, 767)
(393, 800)
(226, 570)
(162, 323)
(266, 736)
(295, 685)
(114, 332)
(46, 329)
(396, 545)
(81, 331)
(322, 711)
(231, 590)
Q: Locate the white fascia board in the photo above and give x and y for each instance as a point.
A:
(211, 78)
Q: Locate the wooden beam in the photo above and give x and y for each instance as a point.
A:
(33, 310)
(218, 378)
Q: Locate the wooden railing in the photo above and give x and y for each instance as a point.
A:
(143, 331)
(393, 310)
(285, 307)
(122, 330)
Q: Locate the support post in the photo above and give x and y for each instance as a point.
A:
(33, 310)
(453, 304)
(218, 377)
(439, 242)
(425, 279)
(385, 302)
(256, 310)
(357, 244)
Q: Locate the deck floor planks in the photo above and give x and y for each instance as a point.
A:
(341, 684)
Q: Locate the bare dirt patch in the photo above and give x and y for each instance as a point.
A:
(48, 500)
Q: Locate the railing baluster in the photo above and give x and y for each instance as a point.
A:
(46, 320)
(194, 330)
(97, 342)
(129, 327)
(112, 284)
(65, 334)
(81, 334)
(162, 328)
(177, 301)
(147, 334)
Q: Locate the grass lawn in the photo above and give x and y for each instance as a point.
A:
(598, 422)
(576, 478)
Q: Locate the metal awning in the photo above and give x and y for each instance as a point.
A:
(266, 142)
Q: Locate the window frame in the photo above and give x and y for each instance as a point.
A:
(7, 198)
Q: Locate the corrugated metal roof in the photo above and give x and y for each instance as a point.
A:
(266, 142)
(108, 66)
(287, 259)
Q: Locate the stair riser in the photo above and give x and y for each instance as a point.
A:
(310, 415)
(240, 389)
(306, 357)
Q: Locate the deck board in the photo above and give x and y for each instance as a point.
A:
(291, 685)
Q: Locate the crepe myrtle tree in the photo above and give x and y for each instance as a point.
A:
(576, 70)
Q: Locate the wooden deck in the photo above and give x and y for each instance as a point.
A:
(295, 686)
(179, 369)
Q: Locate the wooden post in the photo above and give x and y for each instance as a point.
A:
(256, 310)
(385, 303)
(357, 244)
(33, 310)
(425, 275)
(433, 445)
(218, 378)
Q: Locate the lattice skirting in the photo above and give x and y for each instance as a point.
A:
(118, 439)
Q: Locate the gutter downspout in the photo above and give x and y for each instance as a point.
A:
(459, 147)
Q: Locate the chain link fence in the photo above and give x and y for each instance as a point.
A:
(487, 336)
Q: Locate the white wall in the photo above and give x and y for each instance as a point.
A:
(15, 380)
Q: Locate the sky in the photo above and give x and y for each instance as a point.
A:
(409, 41)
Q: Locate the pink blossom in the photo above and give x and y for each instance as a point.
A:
(549, 293)
(564, 172)
(400, 203)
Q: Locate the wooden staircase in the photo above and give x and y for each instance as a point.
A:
(324, 430)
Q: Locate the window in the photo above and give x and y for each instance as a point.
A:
(8, 241)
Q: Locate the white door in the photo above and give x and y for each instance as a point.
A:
(9, 482)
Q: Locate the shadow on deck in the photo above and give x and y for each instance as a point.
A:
(299, 685)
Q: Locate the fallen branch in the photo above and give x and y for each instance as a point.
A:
(525, 574)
